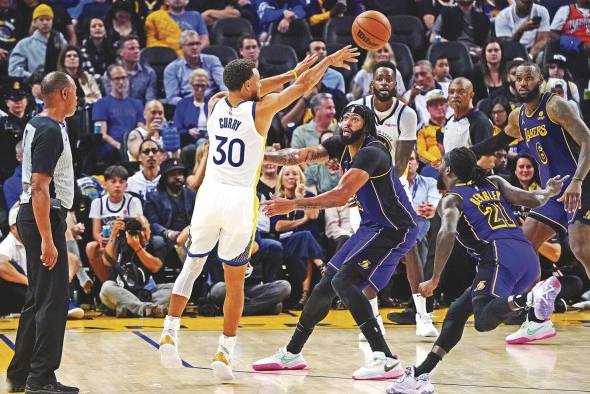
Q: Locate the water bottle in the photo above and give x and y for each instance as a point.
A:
(170, 137)
(97, 128)
(106, 231)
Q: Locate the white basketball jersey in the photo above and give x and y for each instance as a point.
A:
(388, 127)
(236, 149)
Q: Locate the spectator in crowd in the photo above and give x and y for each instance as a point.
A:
(559, 86)
(69, 62)
(332, 78)
(524, 22)
(362, 80)
(428, 10)
(488, 77)
(8, 18)
(154, 123)
(442, 71)
(116, 114)
(169, 210)
(468, 126)
(282, 12)
(299, 230)
(176, 74)
(122, 21)
(97, 50)
(510, 92)
(40, 50)
(190, 115)
(427, 146)
(12, 126)
(491, 8)
(498, 112)
(557, 68)
(261, 297)
(250, 48)
(165, 26)
(338, 228)
(13, 186)
(320, 178)
(424, 82)
(465, 24)
(319, 12)
(195, 180)
(131, 289)
(116, 203)
(142, 78)
(147, 178)
(526, 177)
(220, 9)
(501, 164)
(62, 22)
(324, 111)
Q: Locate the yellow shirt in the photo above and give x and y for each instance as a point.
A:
(162, 31)
(426, 144)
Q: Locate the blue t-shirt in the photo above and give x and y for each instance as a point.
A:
(121, 115)
(191, 20)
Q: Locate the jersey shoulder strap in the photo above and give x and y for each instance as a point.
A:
(399, 116)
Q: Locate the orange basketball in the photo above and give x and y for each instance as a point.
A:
(371, 30)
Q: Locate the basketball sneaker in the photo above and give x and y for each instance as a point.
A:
(221, 364)
(531, 331)
(74, 311)
(169, 357)
(409, 384)
(379, 367)
(424, 326)
(381, 326)
(543, 297)
(282, 359)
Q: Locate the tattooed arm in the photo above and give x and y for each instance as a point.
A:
(290, 156)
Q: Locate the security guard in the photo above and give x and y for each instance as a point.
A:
(12, 125)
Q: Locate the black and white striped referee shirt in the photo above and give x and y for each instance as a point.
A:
(47, 150)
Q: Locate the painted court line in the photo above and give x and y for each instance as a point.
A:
(286, 373)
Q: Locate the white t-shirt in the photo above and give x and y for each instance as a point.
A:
(507, 21)
(202, 121)
(104, 209)
(562, 14)
(14, 250)
(363, 79)
(420, 103)
(140, 185)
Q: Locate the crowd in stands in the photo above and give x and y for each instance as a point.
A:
(144, 72)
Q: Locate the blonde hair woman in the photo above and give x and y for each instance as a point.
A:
(363, 78)
(298, 231)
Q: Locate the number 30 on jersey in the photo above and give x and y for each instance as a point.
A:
(230, 150)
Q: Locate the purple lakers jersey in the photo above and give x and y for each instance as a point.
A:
(487, 216)
(555, 152)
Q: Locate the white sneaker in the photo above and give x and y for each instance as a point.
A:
(424, 326)
(381, 326)
(169, 357)
(378, 368)
(409, 384)
(531, 331)
(282, 359)
(221, 364)
(74, 311)
(543, 297)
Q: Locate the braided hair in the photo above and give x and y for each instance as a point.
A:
(463, 163)
(368, 116)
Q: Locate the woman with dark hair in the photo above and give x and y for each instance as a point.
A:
(526, 177)
(69, 61)
(97, 50)
(489, 75)
(122, 20)
(498, 112)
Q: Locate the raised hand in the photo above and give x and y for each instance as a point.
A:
(277, 206)
(346, 55)
(555, 184)
(305, 64)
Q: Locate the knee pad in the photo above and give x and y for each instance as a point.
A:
(192, 268)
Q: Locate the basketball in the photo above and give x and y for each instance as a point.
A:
(371, 30)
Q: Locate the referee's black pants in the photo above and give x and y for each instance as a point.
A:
(40, 335)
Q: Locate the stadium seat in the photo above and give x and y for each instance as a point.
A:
(339, 30)
(158, 58)
(276, 59)
(410, 31)
(387, 7)
(347, 74)
(297, 37)
(224, 53)
(228, 32)
(459, 59)
(512, 49)
(404, 60)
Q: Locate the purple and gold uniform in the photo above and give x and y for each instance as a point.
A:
(487, 228)
(556, 153)
(388, 227)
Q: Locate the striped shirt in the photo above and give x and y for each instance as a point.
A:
(47, 150)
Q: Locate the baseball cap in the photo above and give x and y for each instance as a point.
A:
(435, 95)
(42, 10)
(559, 59)
(15, 91)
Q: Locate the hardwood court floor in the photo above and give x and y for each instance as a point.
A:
(107, 355)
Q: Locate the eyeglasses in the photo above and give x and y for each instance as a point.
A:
(200, 86)
(150, 150)
(122, 78)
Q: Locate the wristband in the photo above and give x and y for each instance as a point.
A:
(577, 179)
(294, 73)
(138, 250)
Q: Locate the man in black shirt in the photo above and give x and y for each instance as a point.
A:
(48, 192)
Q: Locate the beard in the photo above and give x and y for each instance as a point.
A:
(175, 186)
(440, 183)
(354, 137)
(530, 96)
(385, 96)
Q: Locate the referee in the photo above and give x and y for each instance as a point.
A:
(48, 191)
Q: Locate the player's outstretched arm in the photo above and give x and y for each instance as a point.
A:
(290, 156)
(501, 140)
(349, 184)
(450, 212)
(269, 85)
(529, 199)
(561, 112)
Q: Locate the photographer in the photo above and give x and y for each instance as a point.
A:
(131, 290)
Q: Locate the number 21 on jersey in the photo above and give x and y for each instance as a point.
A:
(230, 150)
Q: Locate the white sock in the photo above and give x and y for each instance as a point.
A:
(374, 306)
(172, 323)
(420, 303)
(228, 343)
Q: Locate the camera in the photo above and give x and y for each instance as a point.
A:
(133, 226)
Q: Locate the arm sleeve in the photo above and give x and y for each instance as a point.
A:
(407, 125)
(17, 63)
(150, 31)
(422, 148)
(560, 18)
(171, 85)
(334, 146)
(318, 18)
(200, 26)
(503, 29)
(372, 160)
(480, 128)
(45, 150)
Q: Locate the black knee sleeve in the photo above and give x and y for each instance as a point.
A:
(454, 323)
(489, 312)
(319, 302)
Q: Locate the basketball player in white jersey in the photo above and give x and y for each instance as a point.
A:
(396, 127)
(226, 206)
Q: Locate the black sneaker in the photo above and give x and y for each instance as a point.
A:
(516, 318)
(50, 388)
(15, 387)
(406, 317)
